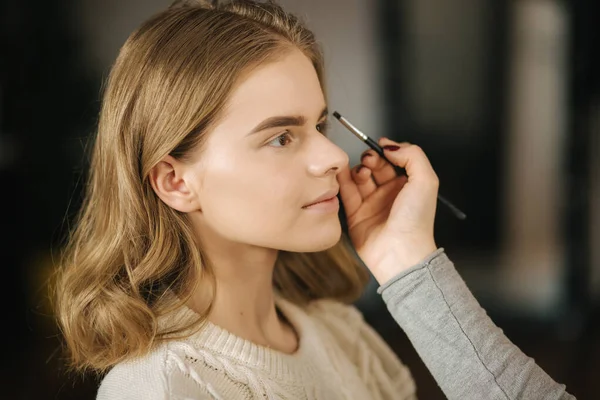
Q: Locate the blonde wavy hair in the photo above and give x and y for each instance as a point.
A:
(128, 249)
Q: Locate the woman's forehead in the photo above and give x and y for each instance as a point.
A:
(289, 86)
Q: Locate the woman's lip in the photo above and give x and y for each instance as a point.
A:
(330, 205)
(319, 202)
(328, 195)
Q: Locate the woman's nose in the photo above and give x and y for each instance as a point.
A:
(325, 157)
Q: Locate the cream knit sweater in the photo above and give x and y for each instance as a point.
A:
(339, 357)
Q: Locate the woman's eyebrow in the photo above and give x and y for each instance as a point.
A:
(286, 120)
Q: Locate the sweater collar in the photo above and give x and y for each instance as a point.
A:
(221, 342)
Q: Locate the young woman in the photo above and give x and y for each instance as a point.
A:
(208, 260)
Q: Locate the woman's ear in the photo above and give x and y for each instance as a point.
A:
(167, 180)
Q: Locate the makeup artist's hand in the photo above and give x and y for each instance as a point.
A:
(390, 218)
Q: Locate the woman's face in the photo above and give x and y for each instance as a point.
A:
(267, 160)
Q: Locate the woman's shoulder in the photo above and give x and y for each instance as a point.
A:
(175, 369)
(335, 309)
(140, 378)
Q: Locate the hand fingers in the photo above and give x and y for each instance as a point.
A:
(382, 170)
(364, 182)
(382, 200)
(412, 159)
(351, 197)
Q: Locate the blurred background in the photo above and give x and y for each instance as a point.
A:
(504, 96)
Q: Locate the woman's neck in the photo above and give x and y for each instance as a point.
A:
(244, 301)
(253, 316)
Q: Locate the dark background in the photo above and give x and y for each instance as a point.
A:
(50, 89)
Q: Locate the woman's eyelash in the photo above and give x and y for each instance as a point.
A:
(277, 139)
(321, 127)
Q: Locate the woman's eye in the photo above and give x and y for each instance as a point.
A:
(281, 140)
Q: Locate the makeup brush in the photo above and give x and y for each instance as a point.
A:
(399, 170)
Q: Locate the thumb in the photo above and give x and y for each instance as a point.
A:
(349, 193)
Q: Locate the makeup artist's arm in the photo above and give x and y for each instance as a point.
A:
(390, 222)
(467, 354)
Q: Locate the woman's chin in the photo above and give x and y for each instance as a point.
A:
(321, 240)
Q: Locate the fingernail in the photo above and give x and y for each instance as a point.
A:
(365, 156)
(359, 168)
(391, 147)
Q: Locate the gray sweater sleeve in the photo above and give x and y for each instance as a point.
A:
(467, 354)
